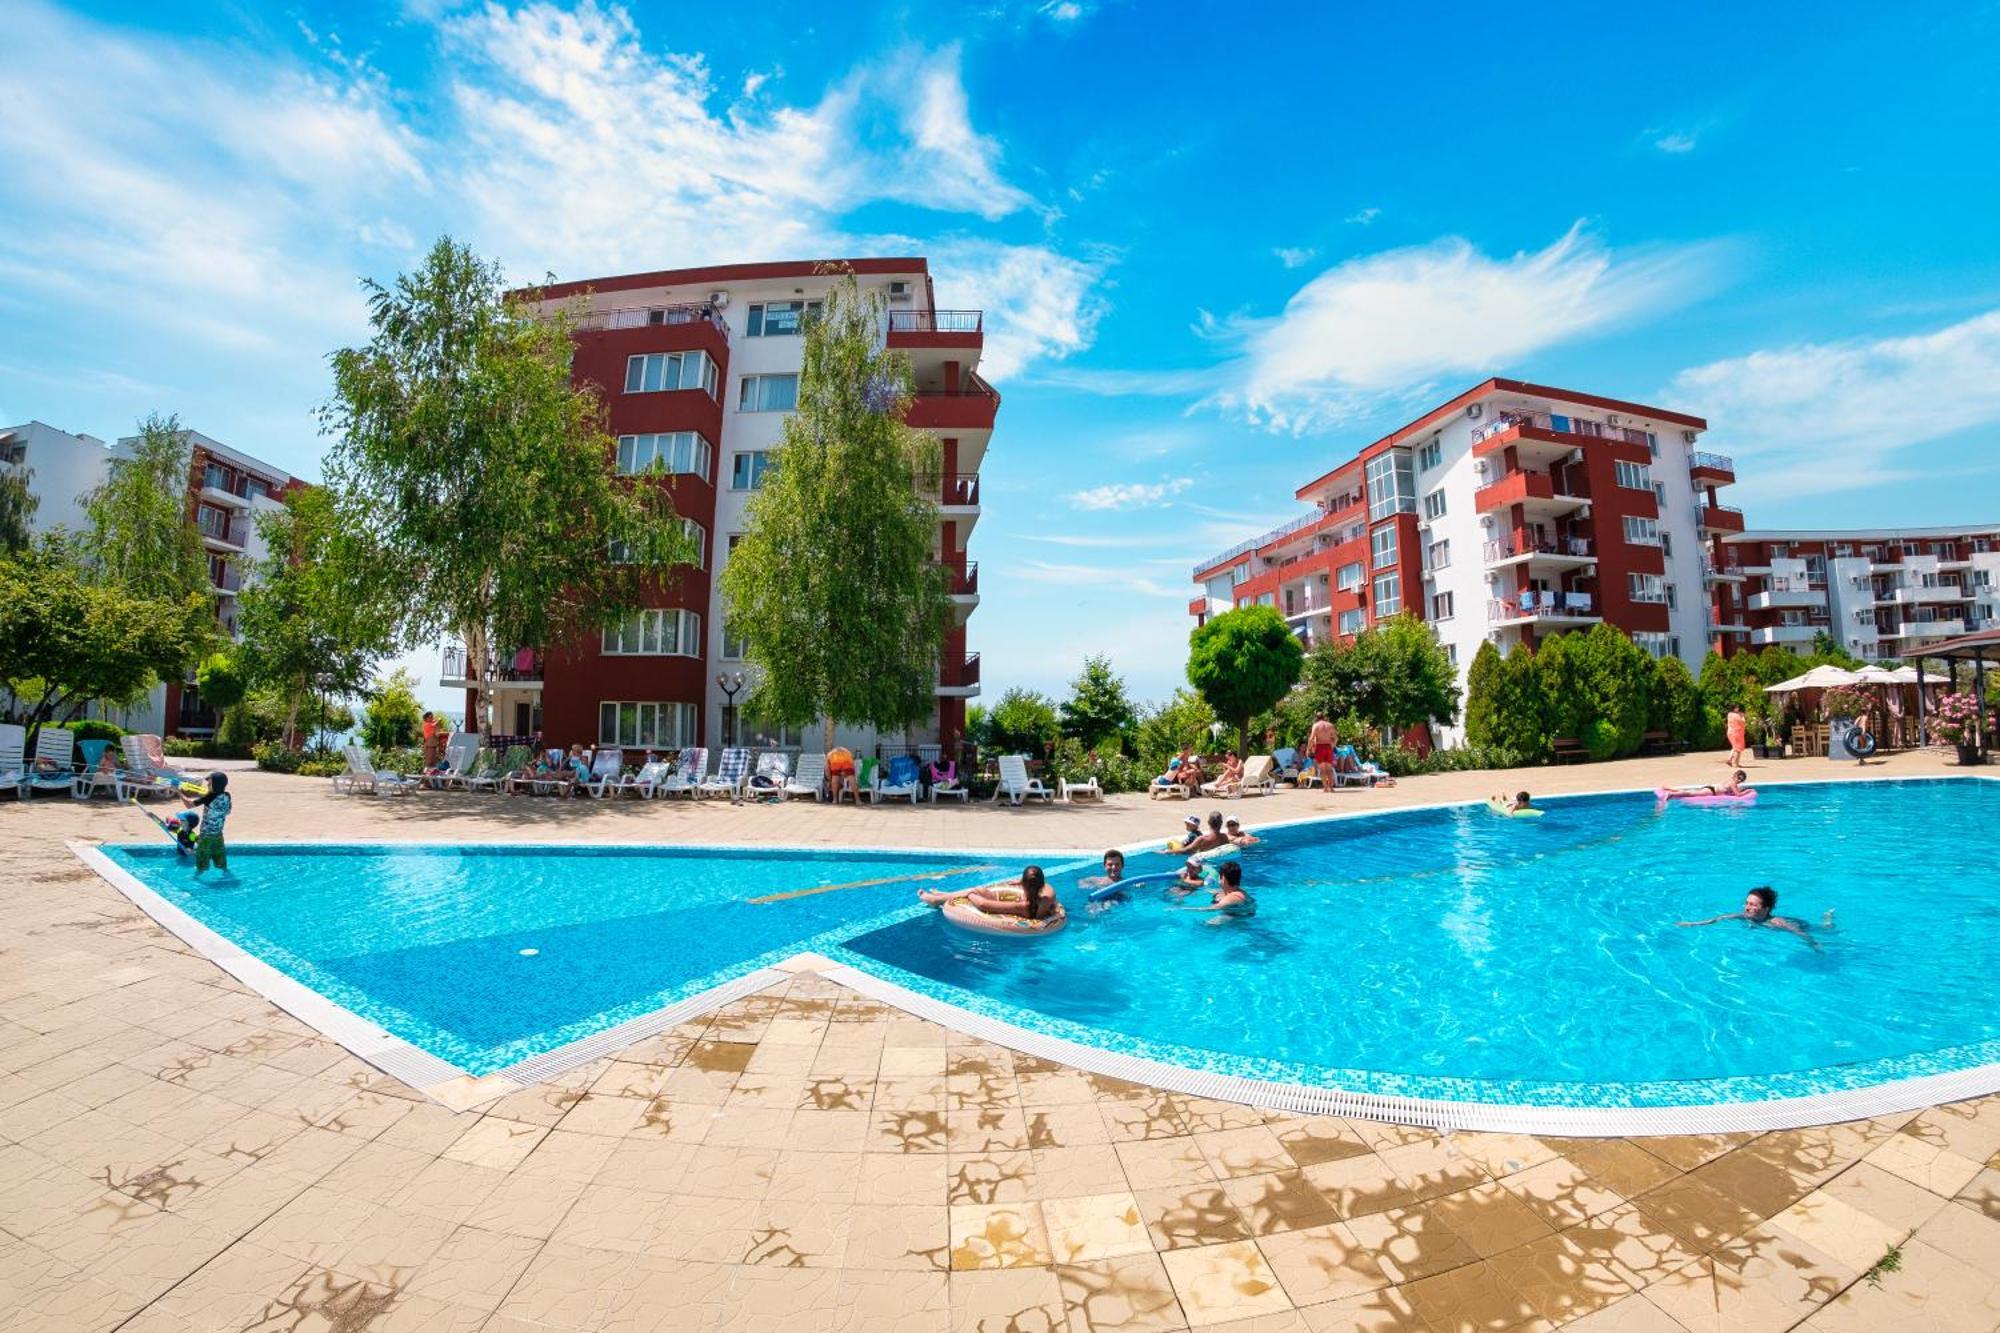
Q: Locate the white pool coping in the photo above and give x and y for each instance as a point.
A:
(455, 1087)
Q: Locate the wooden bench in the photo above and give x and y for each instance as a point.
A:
(1660, 742)
(1567, 749)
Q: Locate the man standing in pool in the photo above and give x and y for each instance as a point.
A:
(1760, 909)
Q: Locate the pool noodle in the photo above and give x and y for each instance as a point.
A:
(1107, 891)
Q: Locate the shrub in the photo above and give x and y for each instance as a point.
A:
(321, 765)
(1603, 739)
(406, 760)
(1844, 702)
(1022, 722)
(185, 747)
(96, 729)
(393, 717)
(1482, 682)
(1114, 771)
(274, 757)
(1184, 720)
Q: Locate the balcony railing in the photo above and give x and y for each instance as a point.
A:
(220, 529)
(1711, 462)
(518, 666)
(953, 489)
(656, 316)
(225, 579)
(1506, 548)
(937, 321)
(1594, 430)
(959, 674)
(963, 578)
(1540, 604)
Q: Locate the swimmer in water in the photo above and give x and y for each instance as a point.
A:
(1114, 872)
(1235, 832)
(1031, 898)
(1760, 909)
(1230, 902)
(1516, 803)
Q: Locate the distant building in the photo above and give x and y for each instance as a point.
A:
(1509, 513)
(225, 492)
(698, 369)
(1877, 592)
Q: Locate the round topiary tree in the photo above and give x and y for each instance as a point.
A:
(1243, 662)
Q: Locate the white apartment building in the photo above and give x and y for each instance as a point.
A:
(1509, 513)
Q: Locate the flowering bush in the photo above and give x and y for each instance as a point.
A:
(1956, 719)
(1843, 702)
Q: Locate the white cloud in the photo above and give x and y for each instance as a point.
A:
(1062, 11)
(1362, 217)
(1821, 417)
(1677, 141)
(1377, 328)
(1295, 256)
(1129, 494)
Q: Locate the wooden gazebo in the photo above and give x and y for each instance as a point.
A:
(1973, 648)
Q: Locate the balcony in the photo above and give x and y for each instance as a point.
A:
(971, 406)
(1714, 573)
(1567, 553)
(1788, 593)
(225, 495)
(957, 493)
(222, 534)
(958, 678)
(1924, 630)
(521, 669)
(946, 330)
(653, 317)
(226, 581)
(1765, 635)
(1208, 606)
(1565, 608)
(964, 577)
(1911, 594)
(1714, 469)
(1540, 437)
(1535, 492)
(1719, 518)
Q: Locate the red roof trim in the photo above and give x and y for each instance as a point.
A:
(725, 273)
(1493, 386)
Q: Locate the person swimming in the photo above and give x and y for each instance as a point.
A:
(1233, 829)
(1760, 909)
(1114, 871)
(1031, 897)
(1516, 803)
(1229, 901)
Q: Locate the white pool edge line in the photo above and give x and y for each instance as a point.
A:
(375, 1045)
(1913, 1094)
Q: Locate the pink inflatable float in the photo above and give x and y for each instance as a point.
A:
(1748, 796)
(967, 917)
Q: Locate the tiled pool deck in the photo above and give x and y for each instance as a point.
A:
(176, 1154)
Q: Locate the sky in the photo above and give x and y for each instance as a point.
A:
(1217, 252)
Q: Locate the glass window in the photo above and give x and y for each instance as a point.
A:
(1666, 541)
(656, 726)
(746, 470)
(1439, 554)
(1350, 622)
(1434, 504)
(1451, 653)
(1634, 476)
(1431, 455)
(1349, 577)
(1392, 484)
(660, 632)
(1441, 606)
(1646, 587)
(734, 648)
(1642, 531)
(760, 734)
(682, 453)
(1388, 595)
(660, 372)
(780, 319)
(1383, 543)
(768, 393)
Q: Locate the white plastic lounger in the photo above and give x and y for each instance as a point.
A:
(1015, 784)
(13, 740)
(54, 767)
(730, 772)
(1068, 791)
(605, 767)
(685, 780)
(901, 779)
(809, 779)
(645, 784)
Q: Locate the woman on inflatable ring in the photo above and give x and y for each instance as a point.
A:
(1027, 908)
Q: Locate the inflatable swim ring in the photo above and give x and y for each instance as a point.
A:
(967, 917)
(1858, 751)
(1500, 807)
(1748, 796)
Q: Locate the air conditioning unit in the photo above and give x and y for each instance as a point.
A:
(720, 300)
(1611, 419)
(1583, 512)
(1476, 411)
(1690, 436)
(899, 291)
(1479, 468)
(1588, 571)
(1493, 577)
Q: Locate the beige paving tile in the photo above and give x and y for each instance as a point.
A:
(1164, 1163)
(1411, 1243)
(998, 1235)
(1634, 1314)
(1095, 1226)
(899, 1237)
(1472, 1299)
(1186, 1218)
(1559, 1280)
(1318, 1139)
(1251, 1151)
(475, 1268)
(1560, 1192)
(1218, 1283)
(1131, 1294)
(1279, 1201)
(1384, 1311)
(901, 1178)
(1831, 1224)
(1928, 1165)
(1025, 1299)
(496, 1143)
(869, 1301)
(1322, 1263)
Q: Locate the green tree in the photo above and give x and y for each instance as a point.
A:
(1560, 690)
(1243, 662)
(1482, 683)
(834, 585)
(18, 503)
(1676, 703)
(1023, 722)
(308, 630)
(141, 536)
(1184, 720)
(67, 640)
(1406, 680)
(1098, 709)
(392, 718)
(1520, 708)
(1614, 678)
(474, 478)
(222, 684)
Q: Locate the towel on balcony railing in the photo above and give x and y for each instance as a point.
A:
(1578, 601)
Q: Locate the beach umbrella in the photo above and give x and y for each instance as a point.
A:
(1819, 678)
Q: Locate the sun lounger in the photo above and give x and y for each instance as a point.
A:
(902, 779)
(363, 778)
(685, 780)
(1015, 784)
(809, 779)
(1068, 791)
(54, 767)
(461, 752)
(645, 784)
(944, 782)
(1255, 781)
(605, 767)
(730, 772)
(769, 775)
(13, 740)
(1349, 770)
(90, 776)
(489, 768)
(141, 777)
(1169, 786)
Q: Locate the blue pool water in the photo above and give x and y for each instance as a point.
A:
(1442, 952)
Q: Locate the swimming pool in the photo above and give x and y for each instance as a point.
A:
(1436, 953)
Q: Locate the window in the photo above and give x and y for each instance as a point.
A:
(656, 633)
(768, 393)
(734, 647)
(1666, 541)
(1635, 476)
(1392, 485)
(1439, 554)
(1646, 587)
(1434, 504)
(1388, 595)
(646, 725)
(780, 319)
(682, 453)
(216, 477)
(1441, 606)
(1673, 602)
(1451, 653)
(746, 470)
(658, 372)
(1653, 443)
(700, 537)
(1349, 578)
(1660, 495)
(1642, 531)
(1383, 543)
(1659, 645)
(1431, 455)
(1350, 623)
(762, 735)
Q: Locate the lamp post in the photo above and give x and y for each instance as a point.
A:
(731, 686)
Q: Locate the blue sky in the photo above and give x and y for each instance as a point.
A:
(1216, 254)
